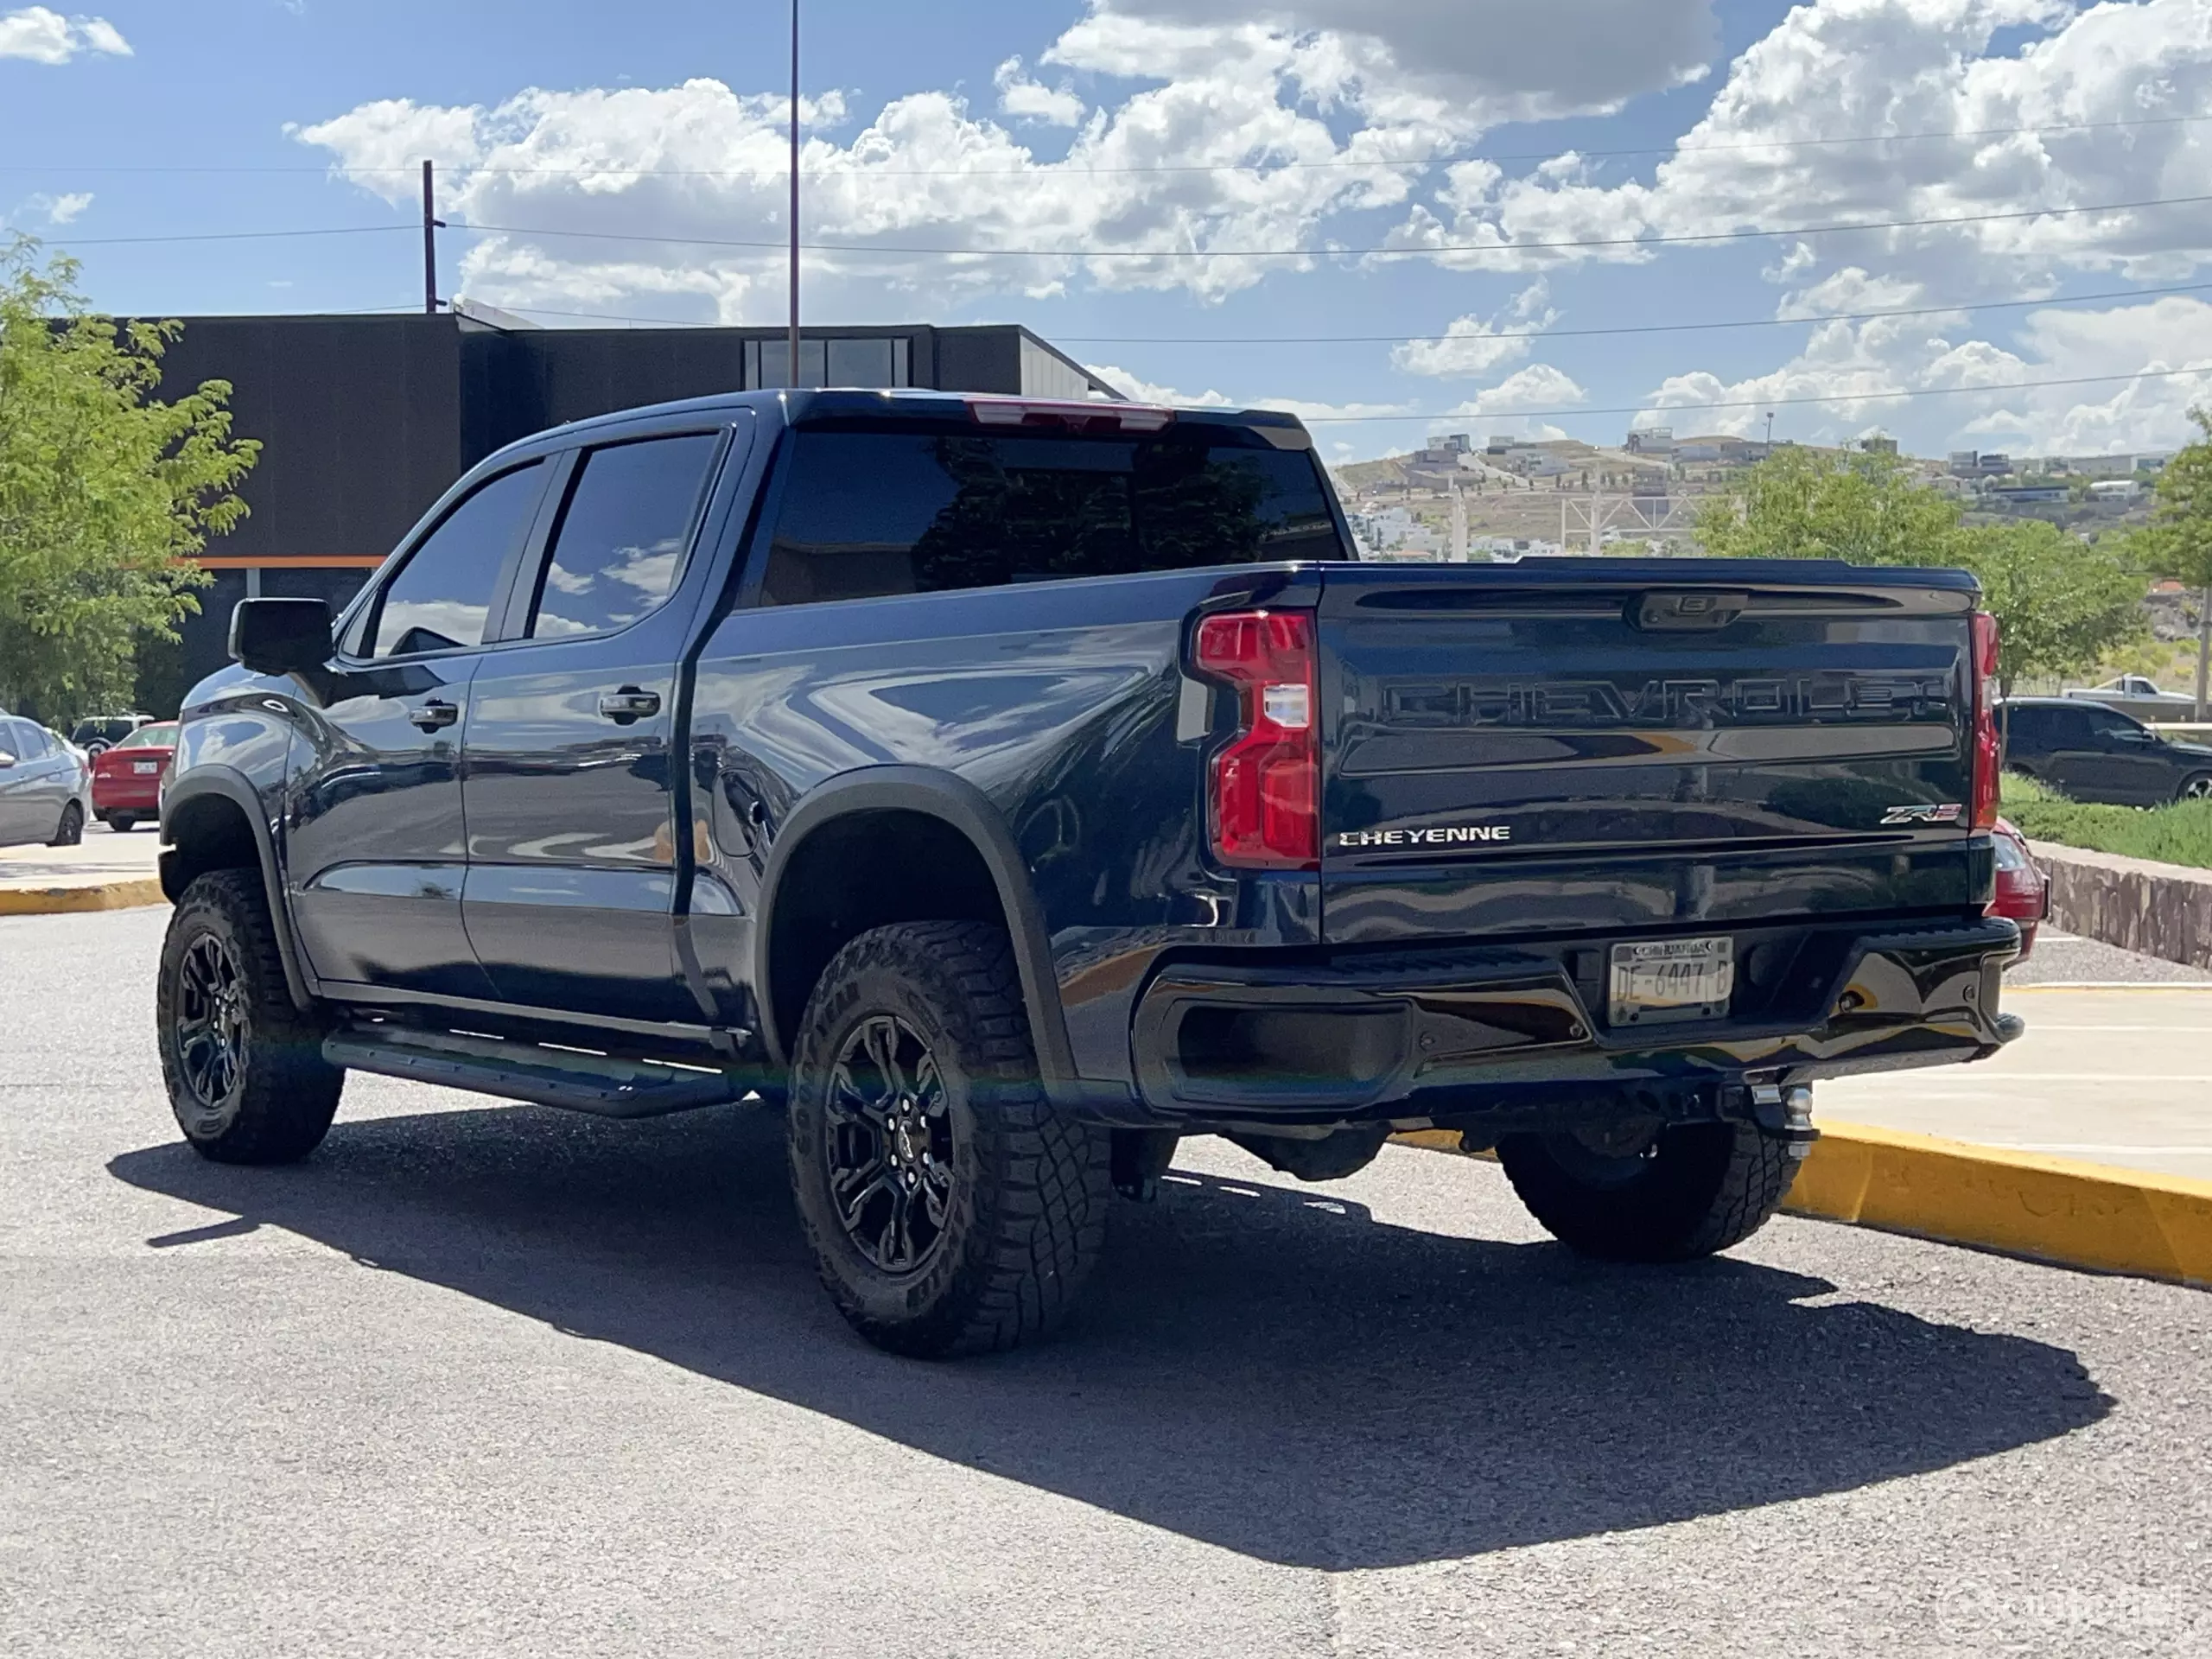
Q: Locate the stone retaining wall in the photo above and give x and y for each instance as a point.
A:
(2159, 910)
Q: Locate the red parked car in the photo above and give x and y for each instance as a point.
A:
(127, 778)
(2023, 890)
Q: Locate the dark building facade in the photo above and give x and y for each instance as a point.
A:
(363, 421)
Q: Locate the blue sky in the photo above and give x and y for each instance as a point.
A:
(1049, 141)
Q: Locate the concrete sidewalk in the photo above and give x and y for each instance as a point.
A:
(107, 872)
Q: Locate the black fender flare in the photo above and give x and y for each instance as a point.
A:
(958, 803)
(228, 784)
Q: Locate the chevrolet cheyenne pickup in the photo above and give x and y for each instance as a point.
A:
(1003, 790)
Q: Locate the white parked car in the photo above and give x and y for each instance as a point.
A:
(45, 788)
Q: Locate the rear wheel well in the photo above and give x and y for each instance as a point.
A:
(864, 870)
(208, 832)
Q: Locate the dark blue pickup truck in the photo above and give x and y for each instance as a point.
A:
(1005, 789)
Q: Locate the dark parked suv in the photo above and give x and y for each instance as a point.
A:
(1007, 789)
(2100, 754)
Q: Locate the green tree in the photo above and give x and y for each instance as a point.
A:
(105, 492)
(2178, 541)
(1810, 504)
(2060, 605)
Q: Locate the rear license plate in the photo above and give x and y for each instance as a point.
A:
(146, 768)
(1672, 979)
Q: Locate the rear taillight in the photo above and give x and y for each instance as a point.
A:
(1264, 794)
(1988, 756)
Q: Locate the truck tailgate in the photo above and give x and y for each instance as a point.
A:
(1632, 744)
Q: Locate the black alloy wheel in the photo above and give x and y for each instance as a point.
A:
(211, 1034)
(950, 1207)
(888, 1151)
(70, 832)
(243, 1062)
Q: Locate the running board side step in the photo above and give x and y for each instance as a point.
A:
(599, 1083)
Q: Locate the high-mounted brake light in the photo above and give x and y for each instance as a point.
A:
(1264, 793)
(1988, 753)
(1067, 412)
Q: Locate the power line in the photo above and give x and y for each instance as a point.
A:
(227, 236)
(1764, 402)
(1623, 328)
(1429, 251)
(1157, 253)
(1444, 158)
(1513, 333)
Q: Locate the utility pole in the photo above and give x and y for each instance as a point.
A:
(2203, 652)
(1770, 432)
(794, 213)
(430, 222)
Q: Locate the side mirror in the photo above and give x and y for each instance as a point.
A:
(281, 636)
(7, 761)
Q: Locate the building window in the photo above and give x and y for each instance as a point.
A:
(885, 360)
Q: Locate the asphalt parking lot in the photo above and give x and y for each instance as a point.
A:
(491, 1380)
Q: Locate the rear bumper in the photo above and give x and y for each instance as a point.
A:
(1496, 1034)
(127, 795)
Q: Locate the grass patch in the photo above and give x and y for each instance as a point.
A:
(2180, 834)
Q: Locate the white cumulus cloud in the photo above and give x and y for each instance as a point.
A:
(1762, 155)
(44, 35)
(1472, 345)
(1156, 190)
(1021, 99)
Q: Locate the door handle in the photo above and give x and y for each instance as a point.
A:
(629, 705)
(434, 716)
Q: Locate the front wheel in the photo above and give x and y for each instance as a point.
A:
(245, 1069)
(950, 1209)
(1639, 1192)
(2198, 786)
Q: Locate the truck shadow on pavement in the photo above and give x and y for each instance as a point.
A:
(1267, 1370)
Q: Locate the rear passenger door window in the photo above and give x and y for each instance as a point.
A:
(623, 534)
(442, 598)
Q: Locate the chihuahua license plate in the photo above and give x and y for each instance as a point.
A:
(1671, 979)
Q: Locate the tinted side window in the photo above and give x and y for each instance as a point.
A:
(441, 598)
(872, 513)
(2026, 730)
(2069, 728)
(2106, 724)
(19, 739)
(623, 535)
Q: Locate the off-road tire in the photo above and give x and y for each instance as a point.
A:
(1026, 1214)
(70, 832)
(284, 1094)
(1703, 1187)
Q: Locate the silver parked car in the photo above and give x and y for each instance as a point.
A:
(45, 788)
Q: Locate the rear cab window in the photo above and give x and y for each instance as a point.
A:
(623, 533)
(866, 513)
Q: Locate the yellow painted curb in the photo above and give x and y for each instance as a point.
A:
(99, 895)
(2078, 1215)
